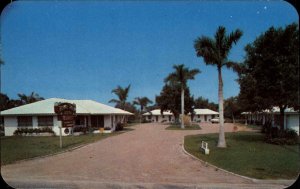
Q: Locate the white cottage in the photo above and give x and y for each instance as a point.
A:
(156, 116)
(204, 115)
(291, 118)
(41, 114)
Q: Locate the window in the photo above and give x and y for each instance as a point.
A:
(97, 121)
(79, 120)
(1, 120)
(24, 121)
(45, 121)
(198, 116)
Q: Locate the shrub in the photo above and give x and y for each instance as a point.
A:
(46, 130)
(17, 132)
(291, 133)
(20, 131)
(30, 131)
(186, 120)
(119, 126)
(278, 137)
(80, 129)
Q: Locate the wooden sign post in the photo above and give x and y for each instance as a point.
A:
(66, 114)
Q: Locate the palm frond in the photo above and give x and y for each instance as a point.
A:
(234, 37)
(114, 101)
(206, 47)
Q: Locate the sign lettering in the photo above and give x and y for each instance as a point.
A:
(66, 113)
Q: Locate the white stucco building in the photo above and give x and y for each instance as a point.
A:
(41, 114)
(291, 118)
(200, 115)
(204, 115)
(156, 116)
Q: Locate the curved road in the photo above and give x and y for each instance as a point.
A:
(149, 157)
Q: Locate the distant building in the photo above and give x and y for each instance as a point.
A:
(41, 114)
(204, 115)
(291, 118)
(200, 115)
(156, 116)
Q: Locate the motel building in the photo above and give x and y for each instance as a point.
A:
(156, 116)
(204, 115)
(200, 115)
(291, 118)
(89, 114)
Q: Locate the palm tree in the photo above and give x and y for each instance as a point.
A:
(215, 52)
(142, 102)
(180, 76)
(33, 97)
(1, 63)
(122, 94)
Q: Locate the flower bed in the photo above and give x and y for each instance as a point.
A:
(46, 131)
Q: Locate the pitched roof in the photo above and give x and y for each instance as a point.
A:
(205, 112)
(157, 112)
(46, 107)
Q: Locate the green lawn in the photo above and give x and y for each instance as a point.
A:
(174, 126)
(246, 154)
(16, 148)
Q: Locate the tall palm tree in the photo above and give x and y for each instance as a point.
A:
(122, 94)
(1, 63)
(142, 102)
(180, 76)
(215, 52)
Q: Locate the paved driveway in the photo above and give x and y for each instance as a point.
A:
(149, 154)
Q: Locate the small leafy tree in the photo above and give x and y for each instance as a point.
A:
(170, 98)
(269, 76)
(202, 103)
(232, 108)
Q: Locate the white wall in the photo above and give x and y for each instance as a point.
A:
(56, 125)
(292, 122)
(202, 118)
(10, 125)
(160, 118)
(107, 121)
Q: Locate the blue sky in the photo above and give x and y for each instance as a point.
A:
(84, 49)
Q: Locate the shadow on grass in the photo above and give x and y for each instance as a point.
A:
(246, 136)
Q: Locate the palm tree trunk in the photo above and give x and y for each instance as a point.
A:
(182, 107)
(221, 142)
(0, 78)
